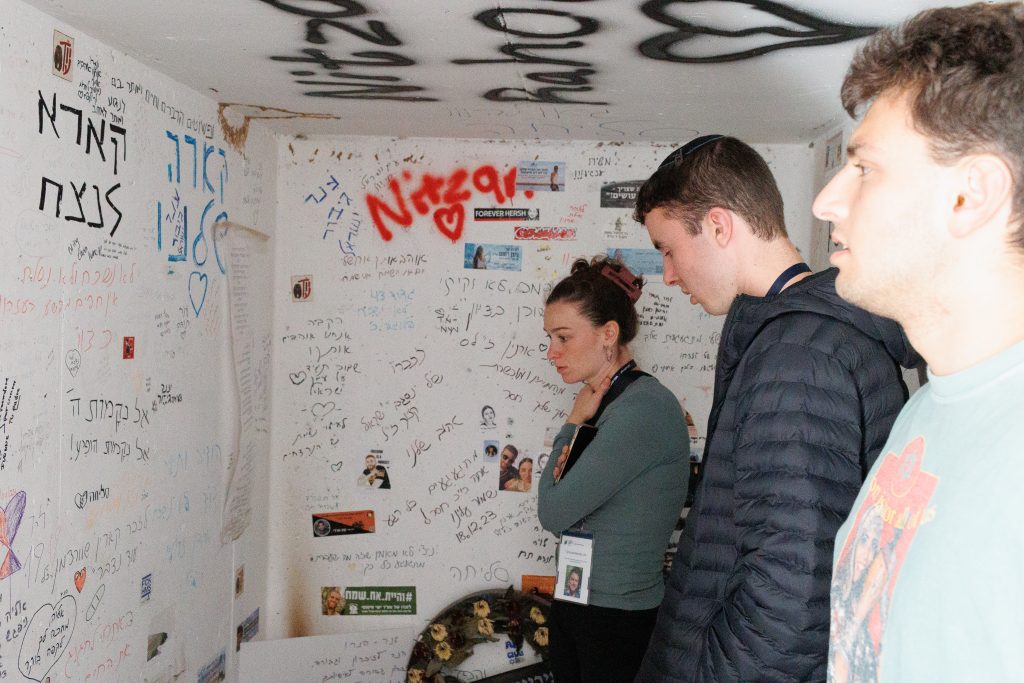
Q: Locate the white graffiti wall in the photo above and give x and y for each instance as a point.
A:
(127, 345)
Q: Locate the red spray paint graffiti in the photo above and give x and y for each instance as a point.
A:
(444, 196)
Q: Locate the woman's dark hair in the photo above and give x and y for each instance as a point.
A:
(599, 297)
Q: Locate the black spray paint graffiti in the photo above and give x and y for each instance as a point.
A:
(49, 112)
(816, 31)
(349, 85)
(557, 82)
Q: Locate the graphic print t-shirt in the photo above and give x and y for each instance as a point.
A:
(926, 582)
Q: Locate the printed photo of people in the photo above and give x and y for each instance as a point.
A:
(331, 601)
(374, 474)
(516, 473)
(487, 418)
(573, 581)
(490, 451)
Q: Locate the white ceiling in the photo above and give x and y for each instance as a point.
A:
(611, 70)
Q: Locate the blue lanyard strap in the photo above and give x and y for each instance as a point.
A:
(787, 275)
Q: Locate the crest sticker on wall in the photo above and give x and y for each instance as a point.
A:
(63, 55)
(302, 287)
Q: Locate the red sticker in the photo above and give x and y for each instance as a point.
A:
(129, 348)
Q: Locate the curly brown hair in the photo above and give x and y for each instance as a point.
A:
(962, 70)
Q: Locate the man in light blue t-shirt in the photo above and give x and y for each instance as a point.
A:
(929, 218)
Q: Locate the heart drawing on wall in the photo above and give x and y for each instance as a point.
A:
(197, 286)
(450, 221)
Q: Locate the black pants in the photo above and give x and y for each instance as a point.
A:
(592, 644)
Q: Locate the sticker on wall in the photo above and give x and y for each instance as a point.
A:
(493, 257)
(490, 451)
(302, 287)
(375, 473)
(538, 585)
(506, 214)
(368, 601)
(488, 418)
(343, 523)
(618, 230)
(543, 176)
(63, 55)
(128, 348)
(146, 588)
(248, 629)
(240, 581)
(620, 195)
(214, 671)
(527, 232)
(834, 152)
(515, 471)
(640, 261)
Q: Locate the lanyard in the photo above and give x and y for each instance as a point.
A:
(787, 275)
(622, 371)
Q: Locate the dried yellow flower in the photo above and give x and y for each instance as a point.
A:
(415, 676)
(537, 615)
(481, 608)
(486, 627)
(438, 632)
(541, 636)
(443, 650)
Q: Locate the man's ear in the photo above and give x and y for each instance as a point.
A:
(720, 222)
(985, 190)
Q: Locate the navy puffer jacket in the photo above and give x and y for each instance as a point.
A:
(807, 388)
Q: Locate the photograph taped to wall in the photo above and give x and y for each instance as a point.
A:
(545, 176)
(640, 261)
(343, 523)
(375, 474)
(493, 257)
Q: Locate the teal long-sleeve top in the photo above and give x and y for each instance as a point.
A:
(627, 489)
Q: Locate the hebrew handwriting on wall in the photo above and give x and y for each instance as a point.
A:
(95, 138)
(443, 196)
(341, 15)
(341, 221)
(205, 171)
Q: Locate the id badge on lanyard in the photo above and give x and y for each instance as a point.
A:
(575, 561)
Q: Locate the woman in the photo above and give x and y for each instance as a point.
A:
(487, 416)
(525, 480)
(479, 258)
(628, 486)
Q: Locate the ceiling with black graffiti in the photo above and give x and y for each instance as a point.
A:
(617, 70)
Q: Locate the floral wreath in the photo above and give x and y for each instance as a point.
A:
(449, 639)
